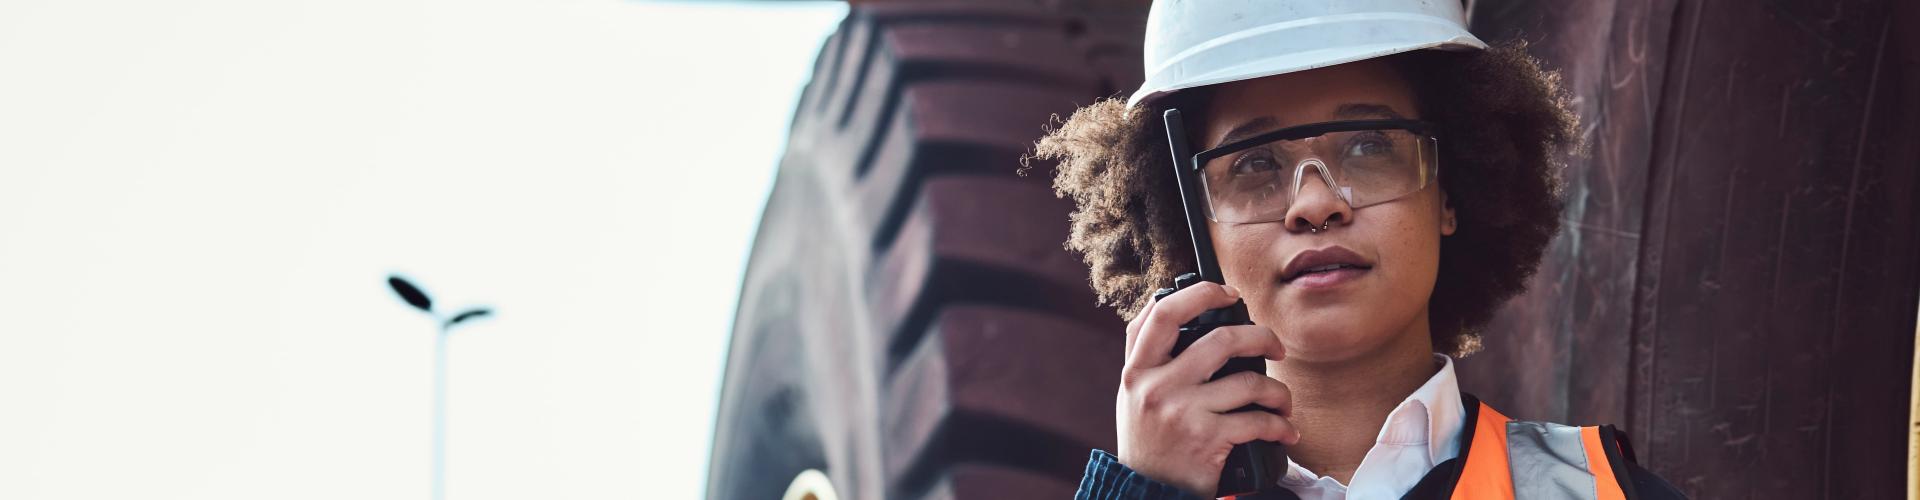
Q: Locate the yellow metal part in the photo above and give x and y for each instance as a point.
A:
(811, 484)
(1913, 422)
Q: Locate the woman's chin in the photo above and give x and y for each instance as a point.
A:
(1330, 344)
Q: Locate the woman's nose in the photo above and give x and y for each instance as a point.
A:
(1316, 205)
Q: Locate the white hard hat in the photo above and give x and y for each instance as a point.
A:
(1193, 43)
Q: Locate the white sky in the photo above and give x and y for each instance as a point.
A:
(200, 201)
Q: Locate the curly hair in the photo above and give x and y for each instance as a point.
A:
(1504, 126)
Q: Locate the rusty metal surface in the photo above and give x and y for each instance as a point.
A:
(1609, 56)
(1738, 274)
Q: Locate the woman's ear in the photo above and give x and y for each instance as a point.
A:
(1448, 222)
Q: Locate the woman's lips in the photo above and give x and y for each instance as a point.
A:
(1328, 279)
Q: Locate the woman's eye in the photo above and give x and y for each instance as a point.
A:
(1254, 162)
(1364, 146)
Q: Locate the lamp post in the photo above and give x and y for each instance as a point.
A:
(417, 298)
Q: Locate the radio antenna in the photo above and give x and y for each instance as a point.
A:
(1186, 175)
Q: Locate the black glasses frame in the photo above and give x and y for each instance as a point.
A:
(1312, 130)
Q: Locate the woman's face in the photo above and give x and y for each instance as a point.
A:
(1352, 312)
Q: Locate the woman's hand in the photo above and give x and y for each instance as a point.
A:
(1173, 423)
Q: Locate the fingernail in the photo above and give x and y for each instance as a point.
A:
(1231, 291)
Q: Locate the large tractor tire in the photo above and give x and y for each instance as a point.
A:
(910, 323)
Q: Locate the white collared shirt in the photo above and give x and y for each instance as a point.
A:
(1421, 432)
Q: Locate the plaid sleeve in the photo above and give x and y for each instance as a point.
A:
(1108, 479)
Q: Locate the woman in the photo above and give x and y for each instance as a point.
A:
(1377, 182)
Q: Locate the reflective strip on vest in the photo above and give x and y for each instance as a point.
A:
(1514, 459)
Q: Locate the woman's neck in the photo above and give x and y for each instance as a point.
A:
(1340, 407)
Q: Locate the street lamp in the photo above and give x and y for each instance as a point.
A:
(419, 300)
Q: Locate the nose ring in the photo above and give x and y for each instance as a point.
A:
(1317, 230)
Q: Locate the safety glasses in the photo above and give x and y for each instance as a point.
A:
(1363, 162)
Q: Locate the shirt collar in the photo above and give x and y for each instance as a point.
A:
(1433, 414)
(1431, 417)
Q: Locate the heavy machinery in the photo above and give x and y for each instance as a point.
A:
(1735, 284)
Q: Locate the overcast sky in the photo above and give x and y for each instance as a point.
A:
(200, 201)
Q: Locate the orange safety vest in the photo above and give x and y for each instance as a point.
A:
(1504, 459)
(1508, 459)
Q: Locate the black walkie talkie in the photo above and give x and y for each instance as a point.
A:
(1255, 466)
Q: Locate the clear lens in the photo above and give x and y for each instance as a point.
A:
(1365, 167)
